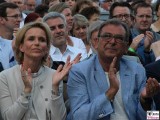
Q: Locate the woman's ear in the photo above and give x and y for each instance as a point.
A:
(21, 48)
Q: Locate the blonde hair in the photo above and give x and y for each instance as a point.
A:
(80, 20)
(21, 35)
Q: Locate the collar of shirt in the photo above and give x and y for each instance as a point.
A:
(158, 58)
(54, 49)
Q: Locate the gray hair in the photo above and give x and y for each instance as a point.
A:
(53, 15)
(80, 20)
(92, 28)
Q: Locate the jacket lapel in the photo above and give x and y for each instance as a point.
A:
(126, 80)
(100, 76)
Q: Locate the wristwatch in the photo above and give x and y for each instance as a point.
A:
(55, 92)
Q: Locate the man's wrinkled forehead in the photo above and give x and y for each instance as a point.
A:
(16, 1)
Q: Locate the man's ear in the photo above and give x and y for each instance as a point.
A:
(1, 20)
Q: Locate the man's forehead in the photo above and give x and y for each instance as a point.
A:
(120, 9)
(142, 9)
(58, 24)
(12, 10)
(31, 1)
(57, 19)
(52, 23)
(116, 27)
(16, 1)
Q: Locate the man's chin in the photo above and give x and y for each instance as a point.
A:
(145, 28)
(111, 55)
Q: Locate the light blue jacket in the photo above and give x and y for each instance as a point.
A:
(87, 85)
(6, 53)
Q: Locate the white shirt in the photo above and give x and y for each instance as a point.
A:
(78, 43)
(119, 111)
(22, 21)
(56, 54)
(90, 52)
(158, 58)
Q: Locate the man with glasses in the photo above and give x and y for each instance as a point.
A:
(20, 4)
(10, 18)
(122, 11)
(143, 20)
(108, 86)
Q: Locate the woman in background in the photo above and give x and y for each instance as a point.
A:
(80, 30)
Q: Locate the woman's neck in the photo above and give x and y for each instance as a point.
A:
(34, 65)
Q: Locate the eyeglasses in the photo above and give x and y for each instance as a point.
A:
(16, 16)
(120, 16)
(146, 16)
(108, 37)
(107, 1)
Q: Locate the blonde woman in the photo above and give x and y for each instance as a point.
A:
(31, 90)
(80, 30)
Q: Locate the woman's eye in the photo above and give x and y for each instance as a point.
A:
(42, 39)
(31, 38)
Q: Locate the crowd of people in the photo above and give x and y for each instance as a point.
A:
(60, 61)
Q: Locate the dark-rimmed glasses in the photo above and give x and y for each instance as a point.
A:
(108, 37)
(16, 16)
(121, 16)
